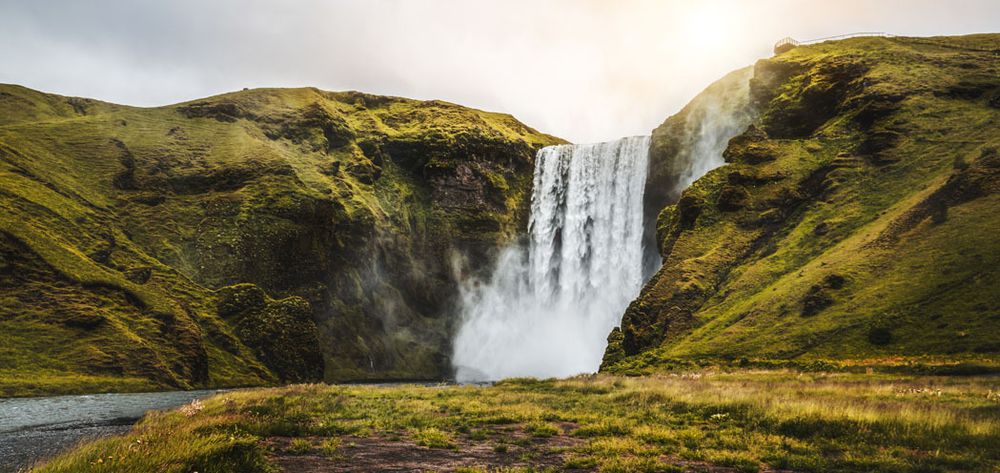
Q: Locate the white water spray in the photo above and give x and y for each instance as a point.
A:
(548, 309)
(714, 118)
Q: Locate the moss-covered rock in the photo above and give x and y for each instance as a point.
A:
(852, 220)
(282, 333)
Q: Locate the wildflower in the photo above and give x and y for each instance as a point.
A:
(191, 409)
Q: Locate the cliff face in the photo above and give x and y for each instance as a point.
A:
(852, 220)
(686, 145)
(263, 235)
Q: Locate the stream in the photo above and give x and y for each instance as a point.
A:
(32, 429)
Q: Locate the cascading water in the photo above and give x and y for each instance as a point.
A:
(548, 309)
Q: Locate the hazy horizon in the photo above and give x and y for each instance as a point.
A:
(586, 71)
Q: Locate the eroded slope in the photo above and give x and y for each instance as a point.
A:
(855, 220)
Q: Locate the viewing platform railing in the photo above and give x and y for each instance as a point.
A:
(788, 43)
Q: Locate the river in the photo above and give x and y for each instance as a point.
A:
(32, 429)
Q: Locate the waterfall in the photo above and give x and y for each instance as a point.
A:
(547, 309)
(549, 305)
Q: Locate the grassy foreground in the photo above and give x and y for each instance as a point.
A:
(753, 420)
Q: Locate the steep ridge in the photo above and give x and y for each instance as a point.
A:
(688, 145)
(253, 237)
(852, 221)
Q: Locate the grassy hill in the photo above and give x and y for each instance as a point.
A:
(259, 236)
(854, 222)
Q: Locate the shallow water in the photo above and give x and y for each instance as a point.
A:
(32, 429)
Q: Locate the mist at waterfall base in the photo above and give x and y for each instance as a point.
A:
(549, 307)
(550, 303)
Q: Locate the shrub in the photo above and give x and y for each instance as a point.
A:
(541, 429)
(638, 464)
(433, 438)
(330, 447)
(299, 447)
(580, 463)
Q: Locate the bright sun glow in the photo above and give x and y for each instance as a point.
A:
(710, 26)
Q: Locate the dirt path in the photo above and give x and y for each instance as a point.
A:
(502, 448)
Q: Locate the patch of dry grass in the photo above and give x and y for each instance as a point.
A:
(747, 420)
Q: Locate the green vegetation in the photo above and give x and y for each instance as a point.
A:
(432, 437)
(124, 231)
(844, 259)
(747, 420)
(851, 227)
(299, 447)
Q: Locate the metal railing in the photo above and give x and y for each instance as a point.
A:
(788, 42)
(848, 35)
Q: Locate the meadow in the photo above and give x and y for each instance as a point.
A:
(708, 420)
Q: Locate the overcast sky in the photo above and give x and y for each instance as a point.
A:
(585, 70)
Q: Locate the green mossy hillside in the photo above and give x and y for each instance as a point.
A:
(121, 226)
(855, 219)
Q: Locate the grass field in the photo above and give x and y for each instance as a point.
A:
(709, 420)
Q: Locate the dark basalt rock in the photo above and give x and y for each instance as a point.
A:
(994, 101)
(834, 281)
(365, 172)
(222, 179)
(615, 352)
(139, 275)
(815, 301)
(155, 181)
(750, 147)
(282, 332)
(83, 320)
(818, 297)
(313, 125)
(752, 178)
(768, 76)
(875, 109)
(124, 179)
(732, 198)
(970, 89)
(821, 228)
(876, 144)
(815, 96)
(688, 210)
(222, 111)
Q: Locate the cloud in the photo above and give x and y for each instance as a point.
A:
(586, 70)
